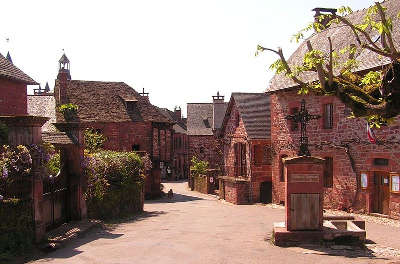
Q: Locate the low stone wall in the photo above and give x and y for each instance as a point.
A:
(203, 184)
(234, 190)
(16, 226)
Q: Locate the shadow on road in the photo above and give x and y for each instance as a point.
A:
(177, 198)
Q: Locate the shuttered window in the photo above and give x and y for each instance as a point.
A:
(328, 116)
(240, 159)
(328, 172)
(294, 126)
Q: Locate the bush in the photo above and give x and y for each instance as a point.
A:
(115, 183)
(94, 140)
(16, 227)
(199, 167)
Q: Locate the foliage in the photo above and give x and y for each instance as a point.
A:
(94, 140)
(16, 227)
(54, 165)
(115, 183)
(375, 95)
(198, 167)
(68, 110)
(15, 161)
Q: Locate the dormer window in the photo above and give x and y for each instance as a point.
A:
(206, 122)
(130, 105)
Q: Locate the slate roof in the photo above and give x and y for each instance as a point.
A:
(180, 124)
(106, 102)
(43, 105)
(59, 138)
(200, 118)
(10, 71)
(254, 109)
(341, 37)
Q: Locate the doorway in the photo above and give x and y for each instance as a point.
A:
(381, 192)
(266, 192)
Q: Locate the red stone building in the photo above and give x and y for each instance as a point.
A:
(124, 116)
(359, 175)
(246, 135)
(203, 123)
(180, 162)
(13, 88)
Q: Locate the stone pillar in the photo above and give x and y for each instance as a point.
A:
(304, 193)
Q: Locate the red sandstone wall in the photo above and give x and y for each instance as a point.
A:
(13, 98)
(344, 192)
(256, 173)
(212, 150)
(180, 155)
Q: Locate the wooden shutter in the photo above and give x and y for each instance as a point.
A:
(328, 172)
(243, 159)
(328, 116)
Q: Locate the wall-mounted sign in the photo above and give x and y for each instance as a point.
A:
(395, 183)
(303, 177)
(364, 180)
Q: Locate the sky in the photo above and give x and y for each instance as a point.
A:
(180, 51)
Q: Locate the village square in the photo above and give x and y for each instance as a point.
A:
(304, 170)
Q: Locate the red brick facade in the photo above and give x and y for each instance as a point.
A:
(345, 142)
(242, 185)
(207, 148)
(13, 96)
(180, 156)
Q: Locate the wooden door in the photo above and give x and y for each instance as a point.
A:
(381, 192)
(304, 211)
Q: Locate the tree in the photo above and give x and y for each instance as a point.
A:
(374, 95)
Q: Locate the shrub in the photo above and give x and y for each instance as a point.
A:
(68, 110)
(94, 140)
(199, 167)
(115, 183)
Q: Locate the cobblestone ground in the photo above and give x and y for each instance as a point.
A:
(197, 228)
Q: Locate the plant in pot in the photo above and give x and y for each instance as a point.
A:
(68, 111)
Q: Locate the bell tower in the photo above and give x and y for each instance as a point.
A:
(63, 67)
(63, 78)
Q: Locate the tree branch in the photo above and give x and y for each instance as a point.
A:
(320, 71)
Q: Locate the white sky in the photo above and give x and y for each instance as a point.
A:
(180, 50)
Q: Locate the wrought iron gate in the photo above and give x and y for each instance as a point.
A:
(55, 192)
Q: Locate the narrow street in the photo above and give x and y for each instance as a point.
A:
(197, 228)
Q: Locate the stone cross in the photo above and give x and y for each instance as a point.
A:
(303, 117)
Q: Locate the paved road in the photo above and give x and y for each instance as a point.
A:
(197, 228)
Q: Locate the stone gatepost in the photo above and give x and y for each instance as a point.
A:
(27, 130)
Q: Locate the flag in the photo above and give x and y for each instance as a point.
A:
(370, 134)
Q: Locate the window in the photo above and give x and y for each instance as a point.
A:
(282, 168)
(294, 126)
(328, 172)
(364, 180)
(328, 116)
(135, 147)
(240, 159)
(381, 162)
(395, 183)
(262, 155)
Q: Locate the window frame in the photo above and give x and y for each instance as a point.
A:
(328, 184)
(327, 120)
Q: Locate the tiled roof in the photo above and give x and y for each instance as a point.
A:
(180, 124)
(10, 71)
(254, 109)
(43, 105)
(341, 37)
(200, 119)
(60, 138)
(106, 102)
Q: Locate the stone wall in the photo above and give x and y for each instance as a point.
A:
(206, 148)
(236, 192)
(13, 98)
(345, 192)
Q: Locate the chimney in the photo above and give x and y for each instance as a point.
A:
(218, 111)
(324, 11)
(63, 77)
(178, 112)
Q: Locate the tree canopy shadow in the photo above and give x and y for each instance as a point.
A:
(177, 198)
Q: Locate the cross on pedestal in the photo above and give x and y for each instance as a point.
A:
(303, 117)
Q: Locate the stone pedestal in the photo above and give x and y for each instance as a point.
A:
(304, 193)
